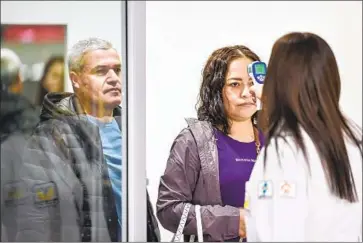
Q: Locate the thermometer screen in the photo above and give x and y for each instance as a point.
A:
(260, 69)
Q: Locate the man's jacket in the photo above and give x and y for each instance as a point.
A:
(18, 119)
(70, 196)
(64, 186)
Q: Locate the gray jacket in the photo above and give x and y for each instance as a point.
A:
(28, 216)
(58, 188)
(192, 175)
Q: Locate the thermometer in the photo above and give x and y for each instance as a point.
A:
(257, 71)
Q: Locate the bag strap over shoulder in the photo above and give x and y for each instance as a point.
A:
(199, 223)
(179, 233)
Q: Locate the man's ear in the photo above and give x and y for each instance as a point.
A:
(75, 79)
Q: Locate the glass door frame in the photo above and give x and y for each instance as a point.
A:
(134, 208)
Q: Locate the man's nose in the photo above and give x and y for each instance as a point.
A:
(113, 76)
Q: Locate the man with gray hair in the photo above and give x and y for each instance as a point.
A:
(18, 115)
(84, 130)
(10, 71)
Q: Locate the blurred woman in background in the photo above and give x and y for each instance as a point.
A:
(307, 184)
(52, 79)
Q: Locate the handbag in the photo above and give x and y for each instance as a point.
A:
(178, 236)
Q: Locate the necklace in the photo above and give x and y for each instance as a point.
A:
(257, 140)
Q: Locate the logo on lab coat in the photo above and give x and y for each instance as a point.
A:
(45, 194)
(288, 189)
(265, 189)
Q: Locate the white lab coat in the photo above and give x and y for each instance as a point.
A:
(308, 211)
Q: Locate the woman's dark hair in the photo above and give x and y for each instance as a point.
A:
(42, 91)
(210, 102)
(302, 89)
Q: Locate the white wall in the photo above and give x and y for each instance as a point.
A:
(181, 35)
(83, 19)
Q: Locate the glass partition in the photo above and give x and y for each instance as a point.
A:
(64, 155)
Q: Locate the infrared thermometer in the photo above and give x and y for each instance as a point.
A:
(257, 71)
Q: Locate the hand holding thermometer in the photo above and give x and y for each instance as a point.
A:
(257, 71)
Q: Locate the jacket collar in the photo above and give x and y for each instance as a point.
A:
(65, 104)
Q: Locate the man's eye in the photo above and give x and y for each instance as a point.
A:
(250, 84)
(101, 72)
(117, 70)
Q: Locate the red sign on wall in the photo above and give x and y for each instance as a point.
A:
(34, 34)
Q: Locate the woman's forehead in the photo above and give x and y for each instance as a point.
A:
(239, 65)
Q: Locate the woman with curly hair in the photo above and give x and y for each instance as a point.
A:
(213, 157)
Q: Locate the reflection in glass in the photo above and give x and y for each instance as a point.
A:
(61, 169)
(38, 46)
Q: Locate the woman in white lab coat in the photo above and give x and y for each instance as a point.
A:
(307, 183)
